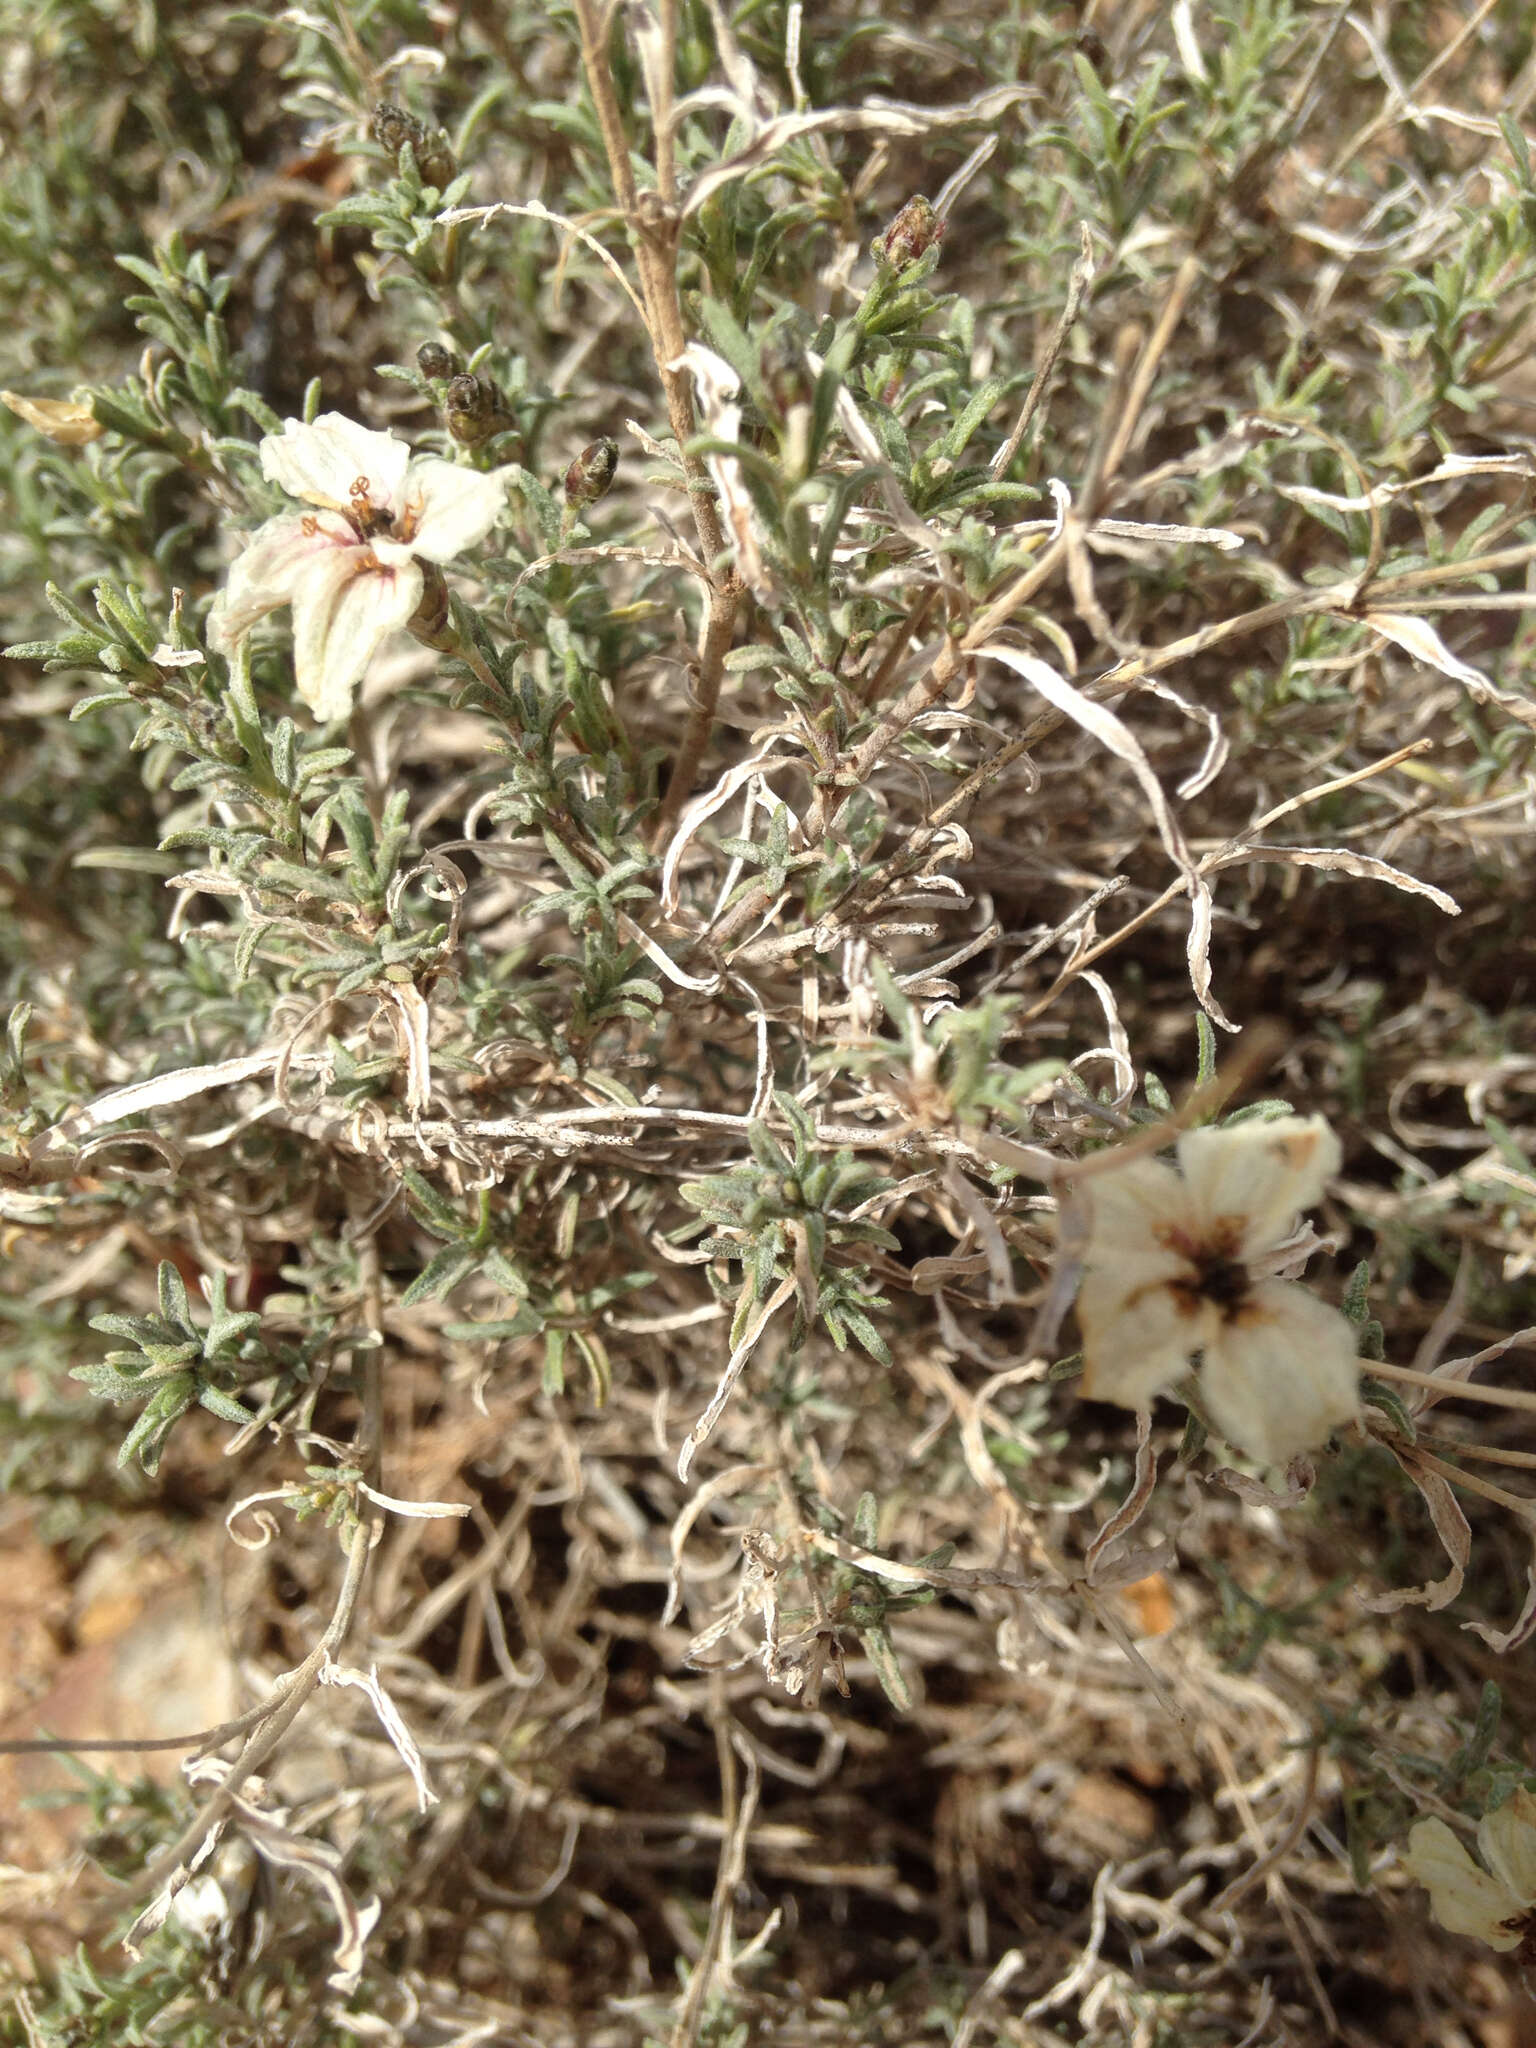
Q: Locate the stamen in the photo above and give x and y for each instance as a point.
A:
(367, 517)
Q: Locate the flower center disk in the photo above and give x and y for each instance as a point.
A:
(1219, 1280)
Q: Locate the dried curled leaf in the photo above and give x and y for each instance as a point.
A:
(1453, 1530)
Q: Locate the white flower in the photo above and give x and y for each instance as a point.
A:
(1184, 1262)
(352, 570)
(1498, 1909)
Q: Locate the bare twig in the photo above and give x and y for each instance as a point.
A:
(1077, 283)
(739, 1806)
(652, 222)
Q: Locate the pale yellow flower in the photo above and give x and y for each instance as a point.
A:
(1497, 1905)
(351, 570)
(1185, 1262)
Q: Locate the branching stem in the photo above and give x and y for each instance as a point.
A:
(652, 221)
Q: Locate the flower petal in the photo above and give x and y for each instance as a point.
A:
(342, 609)
(1506, 1840)
(1260, 1174)
(263, 576)
(1130, 1208)
(1282, 1373)
(1109, 1284)
(1464, 1899)
(321, 463)
(1137, 1340)
(447, 509)
(394, 554)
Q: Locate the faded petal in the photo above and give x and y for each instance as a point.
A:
(1464, 1899)
(342, 609)
(1131, 1207)
(1119, 1289)
(394, 554)
(1506, 1840)
(1282, 1374)
(264, 576)
(1260, 1174)
(1111, 1287)
(447, 509)
(322, 463)
(1137, 1341)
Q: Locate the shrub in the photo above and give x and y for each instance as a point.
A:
(709, 670)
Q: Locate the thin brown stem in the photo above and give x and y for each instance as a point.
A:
(652, 227)
(927, 690)
(1207, 865)
(1521, 1505)
(912, 703)
(1395, 105)
(652, 222)
(918, 698)
(199, 1739)
(738, 1806)
(874, 686)
(662, 77)
(284, 1708)
(1185, 279)
(714, 645)
(287, 1700)
(1040, 383)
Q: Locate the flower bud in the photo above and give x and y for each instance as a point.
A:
(64, 420)
(591, 475)
(392, 128)
(431, 622)
(435, 361)
(915, 230)
(1095, 49)
(473, 409)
